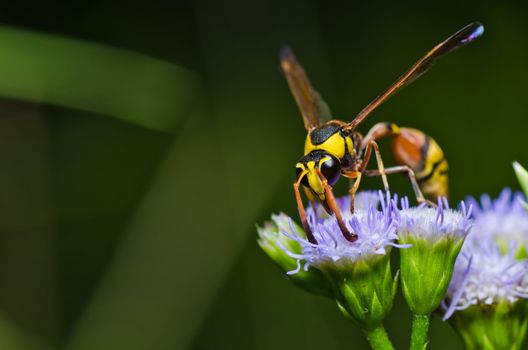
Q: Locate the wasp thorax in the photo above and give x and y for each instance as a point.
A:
(315, 165)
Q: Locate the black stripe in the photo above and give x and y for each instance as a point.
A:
(428, 176)
(425, 148)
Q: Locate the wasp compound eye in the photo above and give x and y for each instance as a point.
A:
(304, 180)
(331, 169)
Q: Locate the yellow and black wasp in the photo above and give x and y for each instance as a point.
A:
(336, 148)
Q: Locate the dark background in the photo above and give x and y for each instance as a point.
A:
(140, 143)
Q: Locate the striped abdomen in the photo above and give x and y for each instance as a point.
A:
(422, 154)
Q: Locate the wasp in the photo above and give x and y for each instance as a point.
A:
(335, 148)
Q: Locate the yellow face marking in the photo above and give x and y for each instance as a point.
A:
(314, 181)
(322, 160)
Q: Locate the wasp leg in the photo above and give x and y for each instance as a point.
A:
(332, 204)
(311, 199)
(353, 191)
(357, 174)
(356, 177)
(412, 177)
(300, 207)
(373, 145)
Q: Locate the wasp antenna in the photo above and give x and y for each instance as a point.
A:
(477, 29)
(462, 37)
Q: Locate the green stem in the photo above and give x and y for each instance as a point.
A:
(378, 339)
(420, 328)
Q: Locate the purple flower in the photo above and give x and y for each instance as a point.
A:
(484, 275)
(376, 230)
(363, 200)
(359, 272)
(502, 219)
(433, 223)
(488, 270)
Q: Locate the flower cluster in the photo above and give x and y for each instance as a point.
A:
(486, 297)
(504, 220)
(358, 273)
(489, 269)
(484, 275)
(376, 231)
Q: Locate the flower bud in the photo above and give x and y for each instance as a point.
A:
(498, 326)
(275, 243)
(436, 236)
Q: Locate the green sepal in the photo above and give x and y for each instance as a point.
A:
(426, 270)
(364, 290)
(270, 237)
(395, 283)
(343, 310)
(499, 326)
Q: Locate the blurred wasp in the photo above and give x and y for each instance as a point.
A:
(334, 148)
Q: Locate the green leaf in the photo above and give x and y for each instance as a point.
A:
(13, 337)
(92, 77)
(522, 176)
(172, 260)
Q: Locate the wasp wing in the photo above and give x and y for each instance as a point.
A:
(325, 114)
(462, 37)
(312, 106)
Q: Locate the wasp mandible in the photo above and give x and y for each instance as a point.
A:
(334, 148)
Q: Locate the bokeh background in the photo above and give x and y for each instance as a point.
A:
(141, 142)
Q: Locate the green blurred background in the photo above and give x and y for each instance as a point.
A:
(140, 143)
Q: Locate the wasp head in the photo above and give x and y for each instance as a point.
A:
(313, 167)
